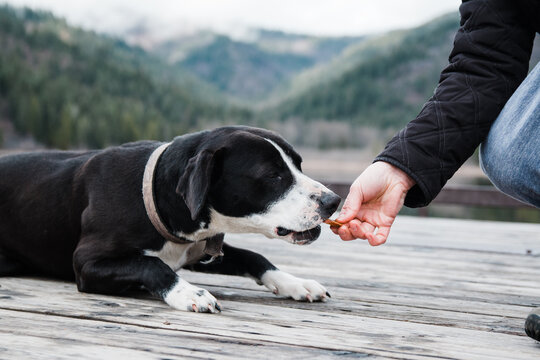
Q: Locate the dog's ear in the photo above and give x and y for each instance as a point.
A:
(194, 183)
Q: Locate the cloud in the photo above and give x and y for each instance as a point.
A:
(336, 17)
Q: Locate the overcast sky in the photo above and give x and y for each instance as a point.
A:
(329, 17)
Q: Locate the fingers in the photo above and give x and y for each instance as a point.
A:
(356, 230)
(359, 229)
(363, 229)
(380, 237)
(352, 204)
(345, 234)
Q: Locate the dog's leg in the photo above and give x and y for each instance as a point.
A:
(114, 276)
(10, 267)
(238, 262)
(242, 262)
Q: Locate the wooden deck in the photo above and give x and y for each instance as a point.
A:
(444, 289)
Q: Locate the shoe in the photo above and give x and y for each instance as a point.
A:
(532, 324)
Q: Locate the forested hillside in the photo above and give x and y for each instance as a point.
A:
(67, 87)
(241, 69)
(252, 69)
(385, 89)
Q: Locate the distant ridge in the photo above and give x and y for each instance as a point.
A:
(66, 87)
(392, 75)
(70, 88)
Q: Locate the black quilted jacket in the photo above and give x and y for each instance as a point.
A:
(488, 62)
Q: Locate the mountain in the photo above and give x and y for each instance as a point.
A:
(381, 82)
(350, 56)
(392, 76)
(249, 70)
(319, 49)
(241, 69)
(68, 87)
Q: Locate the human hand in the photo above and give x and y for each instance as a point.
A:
(374, 201)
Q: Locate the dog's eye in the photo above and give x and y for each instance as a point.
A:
(274, 176)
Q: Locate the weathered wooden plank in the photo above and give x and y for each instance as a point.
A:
(333, 255)
(283, 325)
(479, 314)
(17, 346)
(444, 281)
(445, 306)
(467, 234)
(443, 265)
(438, 289)
(48, 336)
(439, 267)
(431, 272)
(435, 266)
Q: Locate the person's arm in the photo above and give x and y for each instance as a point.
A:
(489, 60)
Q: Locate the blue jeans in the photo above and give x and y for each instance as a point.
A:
(510, 155)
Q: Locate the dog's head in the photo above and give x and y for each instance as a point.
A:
(251, 181)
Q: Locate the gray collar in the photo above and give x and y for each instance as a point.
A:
(213, 244)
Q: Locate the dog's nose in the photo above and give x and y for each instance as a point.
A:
(329, 203)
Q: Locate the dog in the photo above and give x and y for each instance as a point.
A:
(131, 216)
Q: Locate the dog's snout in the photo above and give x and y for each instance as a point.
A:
(329, 203)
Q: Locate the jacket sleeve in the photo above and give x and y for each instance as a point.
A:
(488, 62)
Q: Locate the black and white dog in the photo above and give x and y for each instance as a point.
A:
(83, 216)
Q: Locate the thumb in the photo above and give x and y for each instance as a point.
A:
(352, 204)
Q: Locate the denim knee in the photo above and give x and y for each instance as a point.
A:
(511, 170)
(510, 154)
(495, 164)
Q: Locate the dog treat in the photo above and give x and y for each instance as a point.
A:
(332, 223)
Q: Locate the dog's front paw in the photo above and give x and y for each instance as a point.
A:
(184, 296)
(282, 283)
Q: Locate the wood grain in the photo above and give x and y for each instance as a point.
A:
(441, 289)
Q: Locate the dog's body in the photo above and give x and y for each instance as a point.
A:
(81, 215)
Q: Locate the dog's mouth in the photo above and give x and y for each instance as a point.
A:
(301, 237)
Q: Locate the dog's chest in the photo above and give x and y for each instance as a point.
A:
(178, 255)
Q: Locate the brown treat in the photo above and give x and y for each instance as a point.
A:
(332, 223)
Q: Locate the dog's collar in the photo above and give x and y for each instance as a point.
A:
(213, 245)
